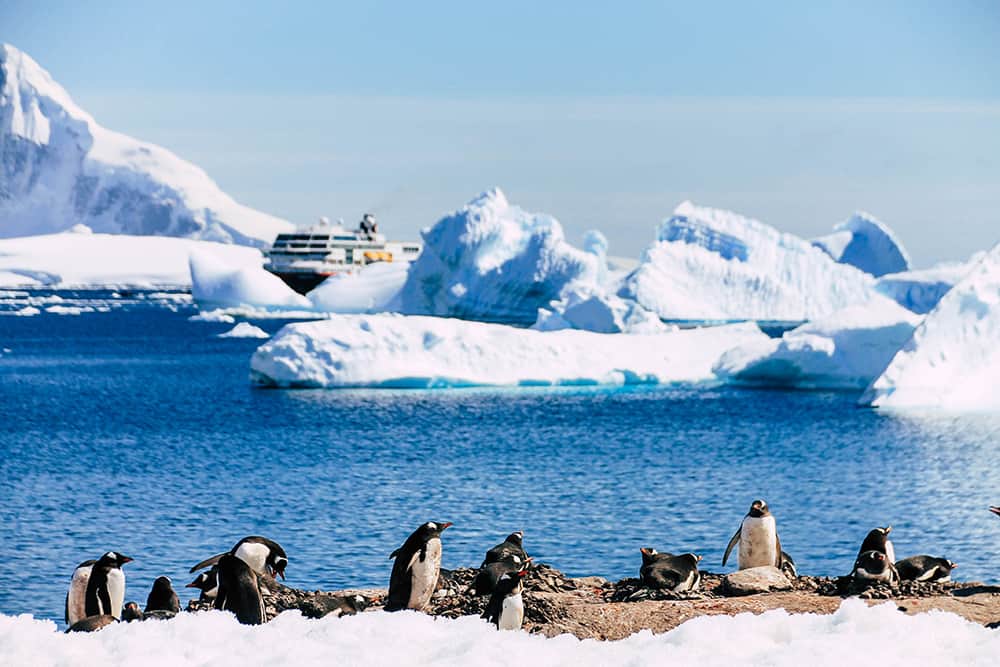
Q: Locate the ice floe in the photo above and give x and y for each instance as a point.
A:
(245, 330)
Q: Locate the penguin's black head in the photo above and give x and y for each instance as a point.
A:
(648, 555)
(113, 559)
(276, 565)
(131, 612)
(433, 529)
(693, 559)
(758, 508)
(201, 582)
(516, 537)
(873, 561)
(163, 584)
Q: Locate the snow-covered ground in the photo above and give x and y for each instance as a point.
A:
(855, 635)
(866, 243)
(953, 359)
(405, 351)
(58, 168)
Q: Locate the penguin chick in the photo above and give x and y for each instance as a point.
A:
(131, 612)
(416, 568)
(162, 597)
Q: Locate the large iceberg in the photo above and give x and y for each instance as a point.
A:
(922, 289)
(58, 167)
(953, 359)
(845, 350)
(866, 243)
(218, 284)
(373, 289)
(391, 350)
(709, 264)
(493, 261)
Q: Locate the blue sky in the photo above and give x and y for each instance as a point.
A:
(604, 116)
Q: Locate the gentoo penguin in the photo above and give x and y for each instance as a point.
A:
(264, 556)
(511, 549)
(878, 540)
(873, 567)
(76, 605)
(787, 566)
(758, 539)
(239, 591)
(131, 612)
(925, 568)
(488, 575)
(162, 597)
(506, 606)
(416, 568)
(92, 623)
(105, 588)
(669, 572)
(207, 583)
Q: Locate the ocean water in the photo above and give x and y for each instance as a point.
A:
(138, 430)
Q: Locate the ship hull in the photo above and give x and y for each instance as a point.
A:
(302, 282)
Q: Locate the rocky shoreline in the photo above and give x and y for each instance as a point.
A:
(595, 608)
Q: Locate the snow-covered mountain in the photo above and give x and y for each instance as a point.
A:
(59, 168)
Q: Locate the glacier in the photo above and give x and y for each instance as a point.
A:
(866, 243)
(392, 350)
(710, 264)
(844, 350)
(58, 168)
(855, 634)
(952, 361)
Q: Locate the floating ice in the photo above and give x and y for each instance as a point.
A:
(216, 283)
(600, 312)
(715, 265)
(69, 310)
(866, 243)
(373, 289)
(953, 359)
(399, 351)
(921, 290)
(245, 330)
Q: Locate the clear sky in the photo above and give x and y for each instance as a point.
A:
(605, 115)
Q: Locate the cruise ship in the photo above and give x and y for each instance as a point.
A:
(305, 258)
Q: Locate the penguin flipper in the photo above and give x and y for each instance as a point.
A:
(67, 609)
(732, 543)
(104, 598)
(214, 560)
(394, 553)
(777, 551)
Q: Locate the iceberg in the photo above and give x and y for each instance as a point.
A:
(845, 350)
(866, 243)
(244, 330)
(373, 289)
(492, 261)
(709, 264)
(922, 289)
(953, 359)
(600, 312)
(59, 168)
(215, 283)
(391, 350)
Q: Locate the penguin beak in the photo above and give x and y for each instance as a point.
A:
(995, 510)
(126, 559)
(445, 525)
(191, 585)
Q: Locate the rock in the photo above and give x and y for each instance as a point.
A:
(756, 580)
(589, 582)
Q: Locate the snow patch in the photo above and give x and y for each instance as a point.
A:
(245, 330)
(866, 243)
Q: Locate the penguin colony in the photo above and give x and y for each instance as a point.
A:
(232, 580)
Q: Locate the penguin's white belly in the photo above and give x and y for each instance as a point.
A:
(690, 583)
(424, 574)
(885, 575)
(116, 591)
(758, 542)
(890, 551)
(511, 613)
(76, 601)
(254, 554)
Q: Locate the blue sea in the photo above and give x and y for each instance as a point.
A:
(137, 430)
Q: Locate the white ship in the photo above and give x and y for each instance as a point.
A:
(305, 258)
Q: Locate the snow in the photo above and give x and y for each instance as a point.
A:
(245, 330)
(218, 315)
(59, 168)
(392, 350)
(855, 634)
(865, 242)
(600, 312)
(921, 290)
(845, 350)
(216, 283)
(710, 264)
(372, 289)
(953, 359)
(492, 261)
(73, 259)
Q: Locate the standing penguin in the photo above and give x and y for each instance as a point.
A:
(239, 591)
(925, 568)
(207, 583)
(878, 540)
(264, 556)
(758, 539)
(666, 571)
(512, 549)
(416, 568)
(106, 587)
(162, 597)
(76, 597)
(506, 606)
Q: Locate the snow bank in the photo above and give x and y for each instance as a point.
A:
(245, 330)
(866, 243)
(715, 265)
(493, 261)
(921, 290)
(953, 359)
(216, 283)
(59, 168)
(373, 289)
(400, 351)
(72, 259)
(845, 350)
(856, 634)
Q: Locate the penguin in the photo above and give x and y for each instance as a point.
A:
(207, 583)
(92, 623)
(505, 609)
(878, 540)
(874, 567)
(76, 609)
(488, 575)
(512, 549)
(162, 597)
(787, 566)
(667, 571)
(264, 556)
(416, 568)
(925, 568)
(239, 591)
(106, 585)
(131, 612)
(758, 539)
